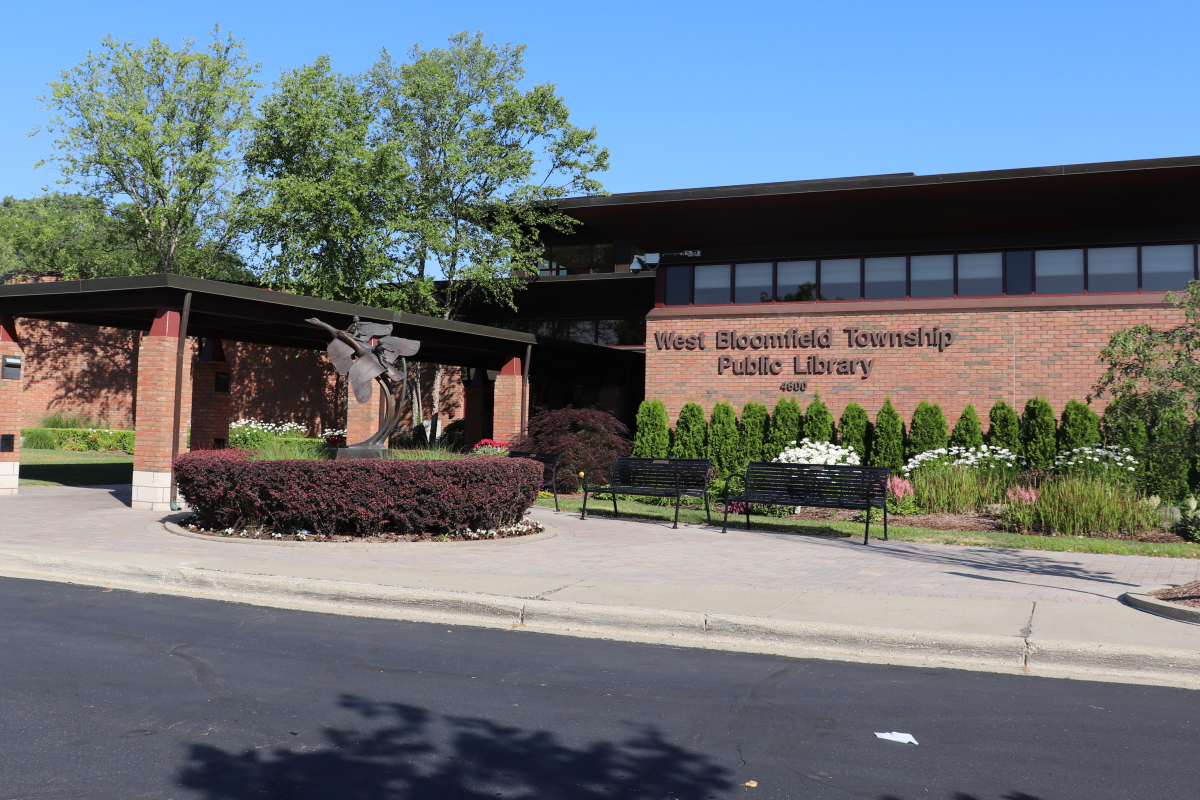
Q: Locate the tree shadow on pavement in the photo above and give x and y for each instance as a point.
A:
(412, 754)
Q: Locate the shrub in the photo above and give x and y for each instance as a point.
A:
(68, 421)
(1080, 506)
(653, 437)
(887, 441)
(588, 438)
(723, 443)
(752, 433)
(252, 434)
(362, 497)
(852, 430)
(1188, 525)
(955, 480)
(818, 422)
(1168, 455)
(928, 429)
(786, 427)
(39, 439)
(98, 439)
(982, 458)
(809, 452)
(1038, 446)
(1079, 427)
(1004, 427)
(900, 497)
(967, 431)
(691, 433)
(1099, 463)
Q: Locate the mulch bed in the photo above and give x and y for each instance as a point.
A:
(1186, 595)
(525, 527)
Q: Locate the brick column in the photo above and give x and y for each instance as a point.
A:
(154, 409)
(362, 419)
(506, 413)
(210, 398)
(10, 408)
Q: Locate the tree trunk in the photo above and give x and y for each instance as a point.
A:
(436, 402)
(414, 388)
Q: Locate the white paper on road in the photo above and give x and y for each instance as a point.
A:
(896, 736)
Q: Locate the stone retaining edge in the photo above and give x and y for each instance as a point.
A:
(1161, 607)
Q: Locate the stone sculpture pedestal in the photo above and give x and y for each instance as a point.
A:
(351, 453)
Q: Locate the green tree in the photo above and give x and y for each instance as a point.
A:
(691, 433)
(887, 446)
(852, 430)
(1004, 427)
(818, 422)
(786, 427)
(967, 431)
(928, 429)
(723, 442)
(1124, 426)
(753, 433)
(1168, 455)
(652, 439)
(157, 128)
(1038, 434)
(1079, 426)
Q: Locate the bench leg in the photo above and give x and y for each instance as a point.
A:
(707, 512)
(725, 523)
(747, 516)
(584, 514)
(885, 521)
(867, 534)
(678, 497)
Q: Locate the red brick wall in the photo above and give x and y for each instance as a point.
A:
(1013, 353)
(156, 404)
(11, 400)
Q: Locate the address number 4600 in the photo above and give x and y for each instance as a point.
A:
(793, 386)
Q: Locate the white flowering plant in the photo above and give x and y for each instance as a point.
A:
(251, 433)
(991, 459)
(809, 452)
(1104, 463)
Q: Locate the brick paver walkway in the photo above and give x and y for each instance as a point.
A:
(98, 519)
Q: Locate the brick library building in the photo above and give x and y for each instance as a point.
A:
(956, 289)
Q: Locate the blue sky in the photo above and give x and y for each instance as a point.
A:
(705, 93)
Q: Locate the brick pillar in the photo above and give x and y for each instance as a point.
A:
(210, 398)
(473, 410)
(506, 412)
(10, 407)
(154, 409)
(362, 419)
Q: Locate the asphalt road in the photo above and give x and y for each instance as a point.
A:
(110, 694)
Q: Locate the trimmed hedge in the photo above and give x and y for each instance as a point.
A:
(691, 433)
(82, 439)
(363, 497)
(652, 438)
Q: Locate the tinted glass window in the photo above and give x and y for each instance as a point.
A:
(574, 259)
(1112, 269)
(712, 284)
(679, 286)
(885, 278)
(932, 276)
(604, 257)
(1166, 267)
(1059, 271)
(1019, 272)
(621, 331)
(980, 274)
(582, 331)
(752, 283)
(796, 281)
(840, 279)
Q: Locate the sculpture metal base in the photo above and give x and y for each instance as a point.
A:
(347, 453)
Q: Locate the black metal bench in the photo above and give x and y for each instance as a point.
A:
(655, 477)
(550, 462)
(820, 485)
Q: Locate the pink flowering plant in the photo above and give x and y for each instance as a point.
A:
(900, 496)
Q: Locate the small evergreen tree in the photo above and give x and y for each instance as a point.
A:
(818, 422)
(1080, 426)
(928, 429)
(887, 447)
(753, 433)
(1038, 434)
(1004, 427)
(1124, 425)
(723, 442)
(691, 433)
(785, 428)
(852, 430)
(1168, 454)
(967, 431)
(652, 439)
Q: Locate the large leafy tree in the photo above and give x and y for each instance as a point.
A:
(158, 129)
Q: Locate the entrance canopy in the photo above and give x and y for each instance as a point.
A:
(260, 316)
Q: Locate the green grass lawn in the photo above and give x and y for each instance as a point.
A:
(68, 468)
(1065, 544)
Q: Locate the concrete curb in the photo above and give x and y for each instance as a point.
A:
(827, 641)
(171, 527)
(1161, 607)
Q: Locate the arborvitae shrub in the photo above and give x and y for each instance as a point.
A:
(753, 433)
(852, 430)
(1004, 427)
(967, 431)
(887, 446)
(785, 428)
(1080, 426)
(691, 433)
(652, 439)
(1038, 434)
(928, 429)
(1168, 455)
(724, 444)
(1125, 425)
(818, 422)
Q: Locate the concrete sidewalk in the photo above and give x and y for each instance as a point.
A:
(1032, 612)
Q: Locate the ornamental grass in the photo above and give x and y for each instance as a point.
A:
(1070, 505)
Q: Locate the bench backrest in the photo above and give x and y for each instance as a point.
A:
(661, 472)
(828, 481)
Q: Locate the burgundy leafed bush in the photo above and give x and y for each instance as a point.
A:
(357, 498)
(589, 438)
